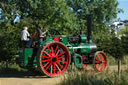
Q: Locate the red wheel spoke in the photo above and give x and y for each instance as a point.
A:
(60, 65)
(44, 56)
(62, 61)
(61, 53)
(102, 66)
(51, 68)
(102, 58)
(57, 52)
(98, 56)
(46, 53)
(98, 66)
(97, 61)
(46, 64)
(58, 68)
(45, 60)
(54, 68)
(56, 48)
(52, 49)
(49, 50)
(61, 57)
(104, 61)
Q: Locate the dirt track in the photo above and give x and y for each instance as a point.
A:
(29, 81)
(36, 80)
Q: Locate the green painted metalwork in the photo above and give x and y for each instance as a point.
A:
(78, 60)
(74, 44)
(27, 54)
(34, 61)
(48, 39)
(71, 50)
(75, 50)
(85, 48)
(65, 40)
(83, 38)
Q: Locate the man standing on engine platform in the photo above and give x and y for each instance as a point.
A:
(41, 35)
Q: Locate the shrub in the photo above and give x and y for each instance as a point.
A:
(124, 41)
(109, 43)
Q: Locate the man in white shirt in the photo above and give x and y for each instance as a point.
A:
(25, 37)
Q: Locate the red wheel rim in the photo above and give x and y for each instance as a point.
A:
(54, 59)
(100, 61)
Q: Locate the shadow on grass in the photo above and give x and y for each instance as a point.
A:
(14, 73)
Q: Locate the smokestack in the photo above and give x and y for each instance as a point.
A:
(89, 29)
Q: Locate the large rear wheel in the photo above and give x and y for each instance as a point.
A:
(53, 59)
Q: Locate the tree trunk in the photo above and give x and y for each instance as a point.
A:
(119, 70)
(119, 66)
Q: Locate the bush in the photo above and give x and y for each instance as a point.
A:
(124, 41)
(115, 48)
(109, 43)
(8, 68)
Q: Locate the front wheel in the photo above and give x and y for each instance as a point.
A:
(100, 61)
(54, 59)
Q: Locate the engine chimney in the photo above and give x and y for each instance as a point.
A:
(89, 29)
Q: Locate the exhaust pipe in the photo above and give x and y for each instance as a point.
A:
(89, 29)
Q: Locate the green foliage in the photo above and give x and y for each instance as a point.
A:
(9, 42)
(123, 31)
(109, 43)
(114, 48)
(102, 37)
(6, 69)
(66, 16)
(102, 11)
(124, 41)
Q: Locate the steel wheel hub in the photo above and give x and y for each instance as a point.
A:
(54, 59)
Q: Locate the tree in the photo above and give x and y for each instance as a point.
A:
(52, 14)
(102, 11)
(67, 16)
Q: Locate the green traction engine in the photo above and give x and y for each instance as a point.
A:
(57, 52)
